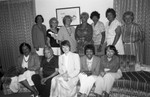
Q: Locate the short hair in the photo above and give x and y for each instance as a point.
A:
(52, 19)
(66, 17)
(65, 43)
(95, 13)
(24, 44)
(128, 13)
(84, 14)
(48, 48)
(111, 47)
(89, 46)
(111, 10)
(37, 18)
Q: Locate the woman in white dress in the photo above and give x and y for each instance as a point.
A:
(113, 31)
(64, 84)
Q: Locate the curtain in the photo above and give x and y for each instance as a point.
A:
(140, 8)
(16, 20)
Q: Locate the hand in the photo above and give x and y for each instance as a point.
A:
(43, 81)
(102, 74)
(65, 76)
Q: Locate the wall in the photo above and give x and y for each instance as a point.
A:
(47, 8)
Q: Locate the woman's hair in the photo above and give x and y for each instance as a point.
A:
(66, 17)
(111, 10)
(65, 43)
(37, 18)
(128, 13)
(51, 20)
(89, 46)
(49, 49)
(95, 13)
(24, 44)
(111, 47)
(84, 14)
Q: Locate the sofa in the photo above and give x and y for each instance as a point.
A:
(133, 83)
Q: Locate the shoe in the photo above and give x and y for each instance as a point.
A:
(32, 95)
(106, 94)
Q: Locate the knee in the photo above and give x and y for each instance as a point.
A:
(36, 77)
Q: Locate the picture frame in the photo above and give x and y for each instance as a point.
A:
(74, 12)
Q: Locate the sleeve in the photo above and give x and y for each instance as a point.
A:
(44, 32)
(34, 37)
(76, 66)
(101, 67)
(90, 35)
(60, 34)
(36, 65)
(57, 58)
(60, 65)
(96, 71)
(141, 34)
(76, 35)
(81, 65)
(102, 27)
(47, 33)
(115, 65)
(18, 67)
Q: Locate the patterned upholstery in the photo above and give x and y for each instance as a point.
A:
(133, 83)
(7, 91)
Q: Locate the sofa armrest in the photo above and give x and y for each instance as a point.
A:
(127, 63)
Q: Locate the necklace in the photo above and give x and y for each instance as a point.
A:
(69, 30)
(26, 59)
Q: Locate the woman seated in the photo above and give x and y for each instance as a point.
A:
(109, 71)
(64, 84)
(49, 69)
(28, 65)
(89, 70)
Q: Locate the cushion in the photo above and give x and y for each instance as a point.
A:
(127, 63)
(136, 80)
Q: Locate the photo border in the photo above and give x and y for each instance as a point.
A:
(74, 12)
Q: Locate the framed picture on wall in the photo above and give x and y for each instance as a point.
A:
(74, 12)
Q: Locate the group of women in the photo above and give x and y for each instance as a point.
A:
(127, 38)
(124, 39)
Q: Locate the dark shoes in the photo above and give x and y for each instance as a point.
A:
(106, 94)
(97, 95)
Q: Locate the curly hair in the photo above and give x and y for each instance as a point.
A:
(24, 44)
(111, 10)
(89, 46)
(95, 13)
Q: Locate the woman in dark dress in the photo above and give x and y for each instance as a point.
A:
(52, 36)
(83, 33)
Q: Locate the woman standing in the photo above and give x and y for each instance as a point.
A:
(98, 31)
(83, 33)
(113, 31)
(132, 36)
(52, 34)
(67, 32)
(39, 35)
